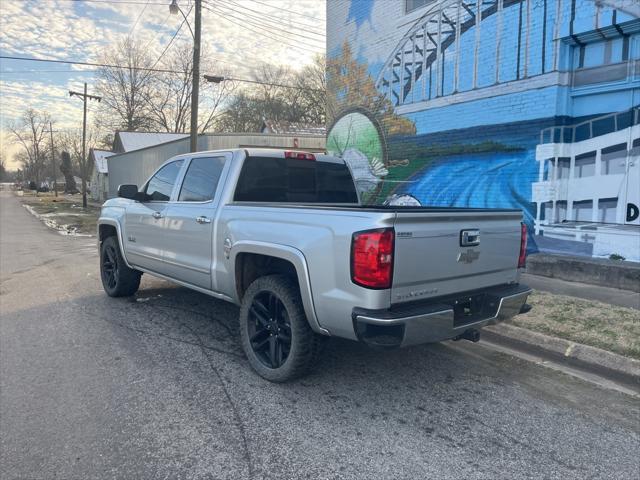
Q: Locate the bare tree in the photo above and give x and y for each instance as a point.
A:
(312, 87)
(170, 97)
(3, 168)
(213, 98)
(125, 91)
(30, 132)
(272, 99)
(71, 141)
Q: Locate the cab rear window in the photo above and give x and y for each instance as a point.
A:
(288, 180)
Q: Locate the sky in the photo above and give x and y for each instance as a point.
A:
(237, 34)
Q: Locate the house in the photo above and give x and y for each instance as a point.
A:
(292, 128)
(128, 141)
(99, 179)
(136, 166)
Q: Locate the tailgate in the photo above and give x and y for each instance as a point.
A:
(436, 253)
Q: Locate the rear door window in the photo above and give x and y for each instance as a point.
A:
(160, 186)
(201, 180)
(268, 179)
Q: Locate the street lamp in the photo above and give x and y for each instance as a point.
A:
(174, 9)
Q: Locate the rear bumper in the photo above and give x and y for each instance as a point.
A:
(439, 319)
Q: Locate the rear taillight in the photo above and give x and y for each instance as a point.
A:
(522, 259)
(300, 155)
(372, 258)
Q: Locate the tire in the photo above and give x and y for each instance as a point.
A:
(118, 280)
(270, 314)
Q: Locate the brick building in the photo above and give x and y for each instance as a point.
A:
(530, 104)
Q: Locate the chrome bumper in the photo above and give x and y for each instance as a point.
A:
(440, 319)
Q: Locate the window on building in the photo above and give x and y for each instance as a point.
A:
(201, 179)
(595, 54)
(614, 159)
(607, 208)
(546, 208)
(161, 184)
(561, 211)
(547, 173)
(585, 165)
(411, 5)
(583, 211)
(564, 165)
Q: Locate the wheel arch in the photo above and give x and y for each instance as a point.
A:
(108, 227)
(253, 259)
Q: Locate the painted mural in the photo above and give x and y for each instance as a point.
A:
(528, 104)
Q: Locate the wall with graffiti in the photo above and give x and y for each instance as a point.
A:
(530, 104)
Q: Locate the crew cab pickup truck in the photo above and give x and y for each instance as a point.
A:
(284, 235)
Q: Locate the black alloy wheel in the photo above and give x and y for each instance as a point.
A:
(118, 280)
(275, 334)
(269, 329)
(110, 267)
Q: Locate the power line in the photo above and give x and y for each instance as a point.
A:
(160, 70)
(268, 28)
(133, 27)
(89, 64)
(289, 11)
(278, 20)
(48, 71)
(244, 26)
(73, 62)
(218, 79)
(153, 40)
(115, 2)
(172, 39)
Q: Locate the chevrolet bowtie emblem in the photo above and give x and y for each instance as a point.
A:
(468, 256)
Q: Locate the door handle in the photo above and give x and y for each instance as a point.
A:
(156, 215)
(202, 219)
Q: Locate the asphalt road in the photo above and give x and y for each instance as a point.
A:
(156, 386)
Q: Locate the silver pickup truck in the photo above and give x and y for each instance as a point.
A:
(284, 235)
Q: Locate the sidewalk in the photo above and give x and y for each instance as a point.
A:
(593, 328)
(613, 296)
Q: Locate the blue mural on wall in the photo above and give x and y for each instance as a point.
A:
(462, 102)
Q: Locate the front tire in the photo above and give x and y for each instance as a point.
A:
(118, 280)
(275, 334)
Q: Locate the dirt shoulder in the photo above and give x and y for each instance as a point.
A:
(64, 212)
(609, 327)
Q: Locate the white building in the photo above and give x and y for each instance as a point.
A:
(135, 167)
(589, 184)
(100, 177)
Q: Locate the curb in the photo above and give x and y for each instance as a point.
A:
(53, 225)
(623, 275)
(582, 356)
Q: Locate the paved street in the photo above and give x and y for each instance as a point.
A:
(156, 386)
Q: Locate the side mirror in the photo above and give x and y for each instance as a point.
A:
(128, 191)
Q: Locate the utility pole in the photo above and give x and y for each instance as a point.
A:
(195, 88)
(83, 164)
(53, 161)
(174, 9)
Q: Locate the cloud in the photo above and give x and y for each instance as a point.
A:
(62, 29)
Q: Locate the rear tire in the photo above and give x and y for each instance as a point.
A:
(275, 333)
(118, 280)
